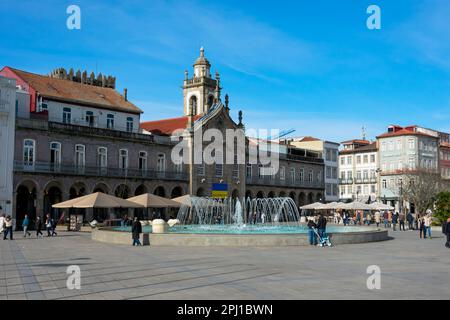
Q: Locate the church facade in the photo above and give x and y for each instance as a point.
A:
(75, 134)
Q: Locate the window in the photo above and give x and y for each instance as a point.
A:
(334, 173)
(319, 176)
(102, 157)
(350, 175)
(366, 174)
(399, 145)
(29, 152)
(248, 171)
(366, 159)
(67, 115)
(328, 172)
(90, 118)
(310, 176)
(143, 161)
(123, 159)
(358, 159)
(80, 155)
(412, 144)
(161, 163)
(342, 161)
(383, 146)
(391, 145)
(282, 173)
(358, 175)
(235, 172)
(55, 154)
(373, 174)
(366, 189)
(129, 124)
(328, 189)
(373, 189)
(292, 172)
(110, 121)
(219, 170)
(372, 158)
(343, 175)
(302, 175)
(349, 160)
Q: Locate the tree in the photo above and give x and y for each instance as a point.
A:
(421, 188)
(443, 206)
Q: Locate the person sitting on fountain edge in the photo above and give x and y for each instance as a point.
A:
(311, 234)
(321, 225)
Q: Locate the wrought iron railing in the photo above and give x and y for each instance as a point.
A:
(65, 169)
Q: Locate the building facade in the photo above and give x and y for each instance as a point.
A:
(75, 135)
(330, 152)
(404, 151)
(358, 171)
(7, 128)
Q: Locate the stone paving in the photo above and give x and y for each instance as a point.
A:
(36, 269)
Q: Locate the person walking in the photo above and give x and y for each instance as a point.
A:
(2, 222)
(38, 226)
(54, 223)
(446, 231)
(428, 220)
(25, 224)
(421, 227)
(385, 219)
(311, 234)
(345, 218)
(401, 221)
(377, 218)
(48, 225)
(8, 228)
(389, 218)
(136, 231)
(410, 219)
(394, 221)
(369, 219)
(321, 225)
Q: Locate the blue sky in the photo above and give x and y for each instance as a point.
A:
(308, 65)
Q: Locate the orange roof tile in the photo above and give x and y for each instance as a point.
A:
(404, 132)
(167, 126)
(77, 93)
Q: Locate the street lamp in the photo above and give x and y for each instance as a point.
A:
(378, 171)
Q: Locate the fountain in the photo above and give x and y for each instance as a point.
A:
(241, 222)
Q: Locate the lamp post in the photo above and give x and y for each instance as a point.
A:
(400, 200)
(378, 171)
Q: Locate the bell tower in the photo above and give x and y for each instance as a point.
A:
(201, 91)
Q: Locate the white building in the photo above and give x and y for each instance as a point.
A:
(358, 171)
(329, 151)
(7, 125)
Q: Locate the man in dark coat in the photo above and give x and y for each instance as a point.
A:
(446, 231)
(136, 231)
(321, 225)
(38, 226)
(311, 234)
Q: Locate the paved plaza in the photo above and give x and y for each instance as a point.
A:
(36, 269)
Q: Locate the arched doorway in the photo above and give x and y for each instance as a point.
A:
(176, 192)
(122, 191)
(235, 194)
(25, 203)
(52, 196)
(160, 191)
(260, 195)
(77, 190)
(101, 187)
(292, 196)
(282, 194)
(310, 198)
(319, 197)
(140, 190)
(271, 195)
(201, 192)
(248, 194)
(301, 199)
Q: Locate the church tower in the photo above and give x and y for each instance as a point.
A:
(201, 91)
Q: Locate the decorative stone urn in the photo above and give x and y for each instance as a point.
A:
(159, 226)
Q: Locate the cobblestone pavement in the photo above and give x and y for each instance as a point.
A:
(36, 269)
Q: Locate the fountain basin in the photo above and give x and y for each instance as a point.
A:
(278, 236)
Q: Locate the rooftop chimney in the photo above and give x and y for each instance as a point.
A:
(125, 94)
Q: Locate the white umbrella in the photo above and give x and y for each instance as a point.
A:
(312, 206)
(381, 206)
(357, 206)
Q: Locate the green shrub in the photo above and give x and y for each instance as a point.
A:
(443, 206)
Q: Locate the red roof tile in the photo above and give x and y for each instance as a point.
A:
(75, 92)
(309, 139)
(167, 126)
(404, 132)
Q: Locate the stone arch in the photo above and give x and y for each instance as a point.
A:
(271, 194)
(235, 194)
(141, 189)
(301, 199)
(122, 191)
(319, 197)
(53, 194)
(193, 104)
(282, 194)
(260, 195)
(201, 192)
(26, 196)
(77, 189)
(292, 195)
(310, 198)
(160, 191)
(176, 192)
(101, 187)
(248, 194)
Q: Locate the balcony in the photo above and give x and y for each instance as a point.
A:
(72, 170)
(72, 129)
(346, 181)
(276, 182)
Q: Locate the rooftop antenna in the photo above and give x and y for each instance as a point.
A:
(363, 131)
